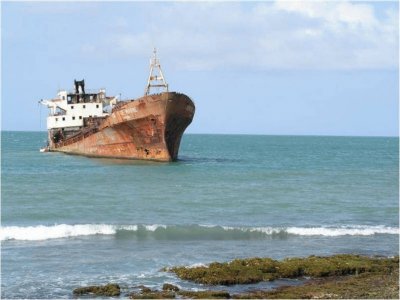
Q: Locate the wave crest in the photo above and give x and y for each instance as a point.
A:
(183, 232)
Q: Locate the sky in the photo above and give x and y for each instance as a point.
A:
(275, 68)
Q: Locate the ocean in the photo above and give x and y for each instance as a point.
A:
(70, 221)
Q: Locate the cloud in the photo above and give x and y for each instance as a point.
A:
(281, 34)
(332, 12)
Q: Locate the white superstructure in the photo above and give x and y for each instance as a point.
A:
(71, 110)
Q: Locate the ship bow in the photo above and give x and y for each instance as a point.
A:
(180, 110)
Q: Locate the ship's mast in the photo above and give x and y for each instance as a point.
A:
(156, 77)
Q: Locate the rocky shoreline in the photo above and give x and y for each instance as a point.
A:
(338, 277)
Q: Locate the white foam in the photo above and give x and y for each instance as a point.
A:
(128, 227)
(268, 230)
(154, 227)
(324, 231)
(228, 228)
(41, 232)
(343, 230)
(197, 265)
(36, 233)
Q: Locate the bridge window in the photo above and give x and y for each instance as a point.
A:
(63, 119)
(56, 119)
(97, 106)
(84, 106)
(80, 117)
(73, 118)
(72, 107)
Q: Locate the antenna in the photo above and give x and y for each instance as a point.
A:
(156, 77)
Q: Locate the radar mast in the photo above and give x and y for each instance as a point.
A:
(156, 77)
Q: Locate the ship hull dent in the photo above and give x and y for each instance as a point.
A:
(149, 128)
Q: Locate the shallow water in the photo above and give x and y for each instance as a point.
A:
(68, 220)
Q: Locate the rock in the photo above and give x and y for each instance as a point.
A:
(172, 294)
(170, 287)
(153, 295)
(253, 270)
(144, 289)
(109, 290)
(205, 294)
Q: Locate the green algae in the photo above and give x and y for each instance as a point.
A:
(204, 294)
(170, 291)
(368, 285)
(167, 292)
(364, 286)
(108, 290)
(339, 276)
(153, 295)
(253, 270)
(170, 287)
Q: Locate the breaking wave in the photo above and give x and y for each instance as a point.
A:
(184, 232)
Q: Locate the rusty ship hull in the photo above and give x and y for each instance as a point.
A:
(149, 128)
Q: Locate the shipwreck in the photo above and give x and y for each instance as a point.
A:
(93, 124)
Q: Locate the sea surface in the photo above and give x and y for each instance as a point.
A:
(69, 221)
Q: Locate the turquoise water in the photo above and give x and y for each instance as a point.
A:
(68, 220)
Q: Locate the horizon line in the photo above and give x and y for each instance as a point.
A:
(250, 134)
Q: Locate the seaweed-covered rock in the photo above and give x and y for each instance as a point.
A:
(369, 285)
(170, 287)
(205, 294)
(144, 289)
(147, 293)
(153, 295)
(243, 271)
(108, 290)
(181, 294)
